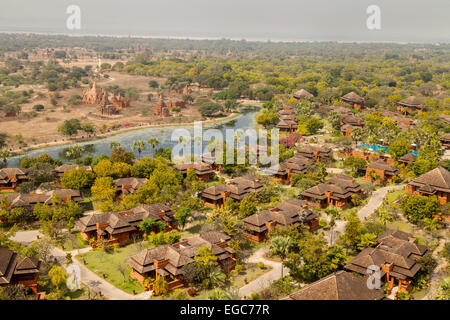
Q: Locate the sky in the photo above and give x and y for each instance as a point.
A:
(276, 20)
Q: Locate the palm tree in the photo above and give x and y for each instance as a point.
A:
(431, 224)
(281, 246)
(217, 277)
(153, 142)
(114, 144)
(139, 145)
(5, 154)
(74, 152)
(231, 294)
(385, 216)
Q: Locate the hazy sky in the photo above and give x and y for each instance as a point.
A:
(345, 20)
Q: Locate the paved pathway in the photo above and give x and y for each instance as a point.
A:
(374, 203)
(438, 273)
(88, 277)
(336, 170)
(27, 237)
(266, 279)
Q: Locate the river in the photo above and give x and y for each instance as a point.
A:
(94, 148)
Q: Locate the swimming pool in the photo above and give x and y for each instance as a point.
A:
(374, 147)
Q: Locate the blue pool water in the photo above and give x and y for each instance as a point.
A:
(374, 147)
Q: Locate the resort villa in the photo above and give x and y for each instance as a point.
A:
(381, 172)
(435, 182)
(290, 212)
(302, 94)
(168, 260)
(295, 165)
(315, 153)
(340, 285)
(410, 104)
(408, 158)
(202, 170)
(396, 254)
(10, 178)
(354, 100)
(126, 186)
(59, 171)
(236, 189)
(445, 141)
(119, 228)
(14, 200)
(337, 191)
(15, 270)
(349, 123)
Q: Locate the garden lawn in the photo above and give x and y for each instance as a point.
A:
(193, 229)
(400, 225)
(393, 196)
(71, 241)
(82, 294)
(104, 262)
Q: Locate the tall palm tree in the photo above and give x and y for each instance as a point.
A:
(114, 144)
(153, 142)
(281, 246)
(139, 145)
(5, 154)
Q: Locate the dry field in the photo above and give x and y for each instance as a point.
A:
(42, 129)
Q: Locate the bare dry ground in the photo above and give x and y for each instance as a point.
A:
(42, 129)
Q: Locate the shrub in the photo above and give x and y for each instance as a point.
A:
(254, 296)
(417, 207)
(38, 107)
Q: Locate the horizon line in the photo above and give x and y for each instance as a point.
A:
(201, 38)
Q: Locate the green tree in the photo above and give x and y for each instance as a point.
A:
(281, 246)
(153, 142)
(114, 144)
(267, 118)
(353, 231)
(162, 186)
(73, 152)
(248, 206)
(384, 215)
(58, 277)
(160, 286)
(103, 189)
(139, 145)
(182, 216)
(144, 167)
(309, 126)
(355, 163)
(107, 168)
(357, 135)
(120, 155)
(399, 147)
(335, 120)
(417, 207)
(70, 127)
(209, 109)
(4, 155)
(149, 225)
(77, 179)
(314, 259)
